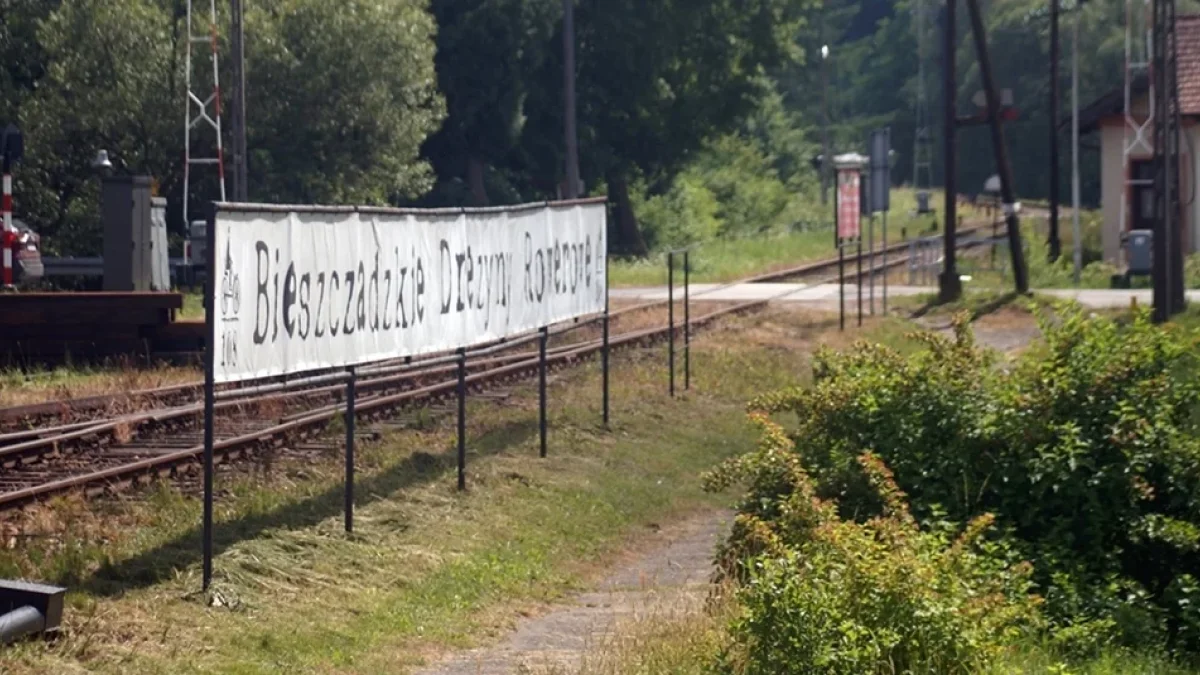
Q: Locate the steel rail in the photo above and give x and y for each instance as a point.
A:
(46, 445)
(279, 434)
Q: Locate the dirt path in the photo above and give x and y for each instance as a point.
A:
(669, 579)
(1007, 330)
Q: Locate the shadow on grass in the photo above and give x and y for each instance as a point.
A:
(977, 309)
(160, 563)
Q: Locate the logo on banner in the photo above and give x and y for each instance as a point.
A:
(848, 206)
(231, 305)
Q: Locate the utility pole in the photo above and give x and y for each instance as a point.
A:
(1169, 295)
(922, 136)
(1075, 229)
(238, 45)
(572, 137)
(949, 285)
(1055, 243)
(1020, 273)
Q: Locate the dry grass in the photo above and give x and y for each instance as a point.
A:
(35, 386)
(679, 635)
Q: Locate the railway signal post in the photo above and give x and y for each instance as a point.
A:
(12, 147)
(849, 222)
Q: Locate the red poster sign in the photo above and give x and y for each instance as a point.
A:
(848, 208)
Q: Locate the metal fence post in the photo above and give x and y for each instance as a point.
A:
(926, 249)
(995, 222)
(604, 366)
(462, 419)
(351, 395)
(871, 258)
(841, 247)
(885, 263)
(860, 281)
(209, 405)
(542, 339)
(671, 319)
(210, 399)
(687, 325)
(912, 263)
(604, 351)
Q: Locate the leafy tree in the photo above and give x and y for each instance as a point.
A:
(655, 81)
(22, 62)
(487, 51)
(340, 98)
(341, 95)
(111, 80)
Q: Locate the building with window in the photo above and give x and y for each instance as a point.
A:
(1106, 116)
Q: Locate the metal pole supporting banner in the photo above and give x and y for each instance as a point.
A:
(671, 320)
(604, 348)
(542, 339)
(871, 258)
(885, 263)
(912, 262)
(859, 284)
(687, 326)
(841, 285)
(209, 403)
(351, 395)
(462, 419)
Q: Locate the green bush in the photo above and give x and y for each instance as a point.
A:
(824, 594)
(731, 189)
(751, 195)
(1191, 271)
(1085, 448)
(686, 214)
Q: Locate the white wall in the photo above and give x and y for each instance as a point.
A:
(1193, 191)
(1112, 183)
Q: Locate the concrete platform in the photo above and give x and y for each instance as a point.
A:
(817, 293)
(823, 294)
(57, 327)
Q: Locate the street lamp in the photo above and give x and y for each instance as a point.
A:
(825, 151)
(102, 163)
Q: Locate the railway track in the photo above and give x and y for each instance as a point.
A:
(75, 460)
(157, 434)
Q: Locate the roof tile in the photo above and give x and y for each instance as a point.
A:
(1187, 52)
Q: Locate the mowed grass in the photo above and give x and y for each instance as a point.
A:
(427, 569)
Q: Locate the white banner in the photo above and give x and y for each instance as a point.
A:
(307, 289)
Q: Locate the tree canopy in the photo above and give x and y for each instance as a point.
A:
(688, 110)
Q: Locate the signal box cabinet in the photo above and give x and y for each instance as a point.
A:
(135, 236)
